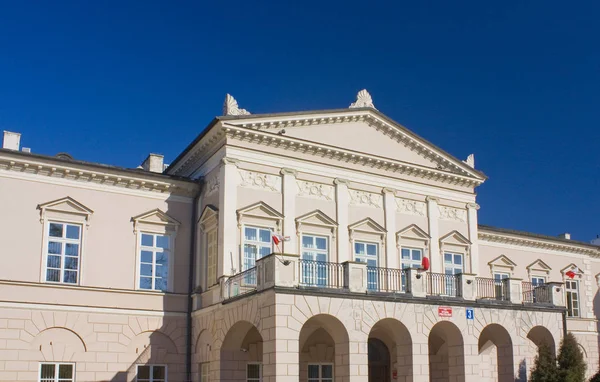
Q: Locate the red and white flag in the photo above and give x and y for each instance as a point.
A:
(571, 274)
(277, 239)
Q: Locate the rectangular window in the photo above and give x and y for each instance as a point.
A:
(453, 265)
(365, 252)
(151, 373)
(537, 281)
(57, 372)
(253, 372)
(204, 371)
(257, 244)
(572, 289)
(315, 253)
(63, 252)
(211, 258)
(320, 373)
(410, 258)
(154, 261)
(500, 285)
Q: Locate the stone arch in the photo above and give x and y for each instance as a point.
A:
(396, 337)
(151, 347)
(539, 335)
(495, 354)
(58, 344)
(446, 352)
(242, 346)
(202, 349)
(324, 347)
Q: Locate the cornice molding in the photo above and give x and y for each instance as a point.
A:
(288, 171)
(79, 173)
(533, 243)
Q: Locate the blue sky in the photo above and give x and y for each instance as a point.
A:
(517, 83)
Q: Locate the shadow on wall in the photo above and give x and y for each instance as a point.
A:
(522, 372)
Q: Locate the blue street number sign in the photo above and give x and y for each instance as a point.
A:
(470, 314)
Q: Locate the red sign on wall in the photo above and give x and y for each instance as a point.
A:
(445, 311)
(395, 374)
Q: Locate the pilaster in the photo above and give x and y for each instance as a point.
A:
(433, 214)
(472, 221)
(342, 199)
(389, 205)
(289, 192)
(227, 254)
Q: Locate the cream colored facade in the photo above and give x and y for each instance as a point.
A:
(177, 270)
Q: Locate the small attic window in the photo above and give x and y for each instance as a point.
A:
(65, 156)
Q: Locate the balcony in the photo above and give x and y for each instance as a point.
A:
(289, 271)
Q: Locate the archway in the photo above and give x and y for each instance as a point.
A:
(541, 335)
(446, 353)
(390, 352)
(241, 353)
(495, 355)
(324, 350)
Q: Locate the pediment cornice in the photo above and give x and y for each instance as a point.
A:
(520, 241)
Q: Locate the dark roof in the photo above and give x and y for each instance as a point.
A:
(536, 236)
(309, 112)
(63, 160)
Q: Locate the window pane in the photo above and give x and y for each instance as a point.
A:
(147, 240)
(250, 234)
(54, 247)
(321, 243)
(416, 254)
(56, 230)
(253, 371)
(327, 371)
(65, 371)
(158, 372)
(457, 259)
(162, 241)
(71, 263)
(448, 258)
(313, 371)
(265, 235)
(72, 233)
(321, 257)
(146, 283)
(264, 251)
(70, 277)
(160, 284)
(143, 372)
(47, 371)
(359, 248)
(371, 263)
(53, 261)
(146, 257)
(72, 249)
(161, 271)
(146, 270)
(162, 258)
(307, 241)
(405, 253)
(53, 275)
(371, 250)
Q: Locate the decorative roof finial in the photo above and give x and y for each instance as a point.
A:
(363, 99)
(470, 161)
(230, 107)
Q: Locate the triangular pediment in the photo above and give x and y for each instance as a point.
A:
(209, 212)
(318, 218)
(502, 261)
(539, 266)
(367, 225)
(455, 238)
(260, 210)
(413, 231)
(66, 204)
(572, 267)
(361, 131)
(156, 216)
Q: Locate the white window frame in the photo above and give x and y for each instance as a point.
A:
(315, 252)
(212, 262)
(372, 282)
(56, 367)
(453, 267)
(154, 250)
(204, 371)
(410, 263)
(151, 378)
(257, 244)
(534, 284)
(260, 372)
(63, 241)
(571, 310)
(320, 365)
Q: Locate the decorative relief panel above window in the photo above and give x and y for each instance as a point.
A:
(451, 213)
(212, 185)
(315, 190)
(260, 181)
(364, 198)
(411, 207)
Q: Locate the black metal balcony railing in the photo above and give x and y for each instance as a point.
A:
(440, 284)
(488, 288)
(321, 274)
(242, 283)
(387, 280)
(533, 294)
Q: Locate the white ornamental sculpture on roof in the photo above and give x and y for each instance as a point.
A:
(363, 99)
(230, 107)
